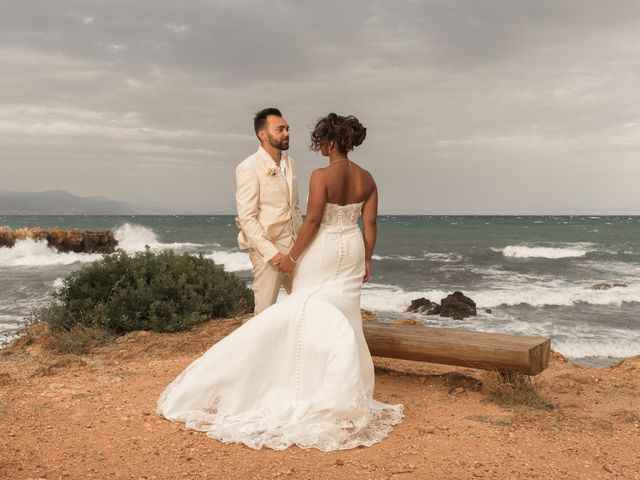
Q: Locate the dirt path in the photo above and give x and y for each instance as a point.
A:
(68, 417)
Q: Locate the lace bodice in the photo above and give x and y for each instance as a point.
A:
(342, 215)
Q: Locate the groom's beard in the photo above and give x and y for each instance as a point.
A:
(281, 145)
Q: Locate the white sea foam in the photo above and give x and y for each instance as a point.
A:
(618, 347)
(131, 238)
(521, 251)
(134, 238)
(557, 293)
(572, 340)
(37, 253)
(624, 271)
(395, 257)
(57, 283)
(443, 257)
(388, 298)
(433, 256)
(231, 261)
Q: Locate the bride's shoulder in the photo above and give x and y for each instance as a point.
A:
(365, 173)
(318, 175)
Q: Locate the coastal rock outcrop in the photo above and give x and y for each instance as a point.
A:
(422, 305)
(62, 240)
(456, 306)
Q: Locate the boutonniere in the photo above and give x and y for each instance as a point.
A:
(272, 172)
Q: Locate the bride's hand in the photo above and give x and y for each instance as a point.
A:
(277, 260)
(367, 271)
(286, 264)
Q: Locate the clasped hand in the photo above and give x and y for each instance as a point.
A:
(283, 263)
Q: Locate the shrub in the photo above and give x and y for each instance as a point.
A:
(161, 292)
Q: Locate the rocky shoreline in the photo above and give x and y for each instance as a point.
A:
(93, 416)
(62, 240)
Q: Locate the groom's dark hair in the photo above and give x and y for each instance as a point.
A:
(260, 120)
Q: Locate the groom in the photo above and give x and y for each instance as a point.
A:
(267, 201)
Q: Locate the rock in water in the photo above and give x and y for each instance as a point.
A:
(63, 240)
(457, 306)
(422, 305)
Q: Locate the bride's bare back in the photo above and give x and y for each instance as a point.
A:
(346, 182)
(342, 182)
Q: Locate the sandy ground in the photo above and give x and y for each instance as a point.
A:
(68, 417)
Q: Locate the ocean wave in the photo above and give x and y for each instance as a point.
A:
(433, 256)
(522, 251)
(231, 261)
(556, 294)
(623, 270)
(37, 253)
(131, 238)
(604, 347)
(388, 298)
(379, 297)
(134, 238)
(56, 284)
(443, 257)
(395, 257)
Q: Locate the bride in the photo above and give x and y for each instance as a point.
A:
(300, 372)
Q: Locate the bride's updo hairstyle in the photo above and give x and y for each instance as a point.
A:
(346, 132)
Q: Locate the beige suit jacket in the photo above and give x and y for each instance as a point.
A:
(268, 205)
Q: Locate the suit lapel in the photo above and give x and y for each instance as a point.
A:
(282, 182)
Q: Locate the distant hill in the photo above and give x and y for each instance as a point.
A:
(60, 202)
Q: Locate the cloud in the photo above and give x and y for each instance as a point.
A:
(491, 88)
(172, 27)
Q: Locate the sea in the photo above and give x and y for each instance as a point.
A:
(529, 275)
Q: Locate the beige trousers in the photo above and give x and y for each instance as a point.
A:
(267, 279)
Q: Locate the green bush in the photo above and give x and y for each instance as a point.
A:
(161, 292)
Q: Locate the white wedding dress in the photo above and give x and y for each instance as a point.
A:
(300, 372)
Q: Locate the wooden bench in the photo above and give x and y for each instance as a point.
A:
(489, 351)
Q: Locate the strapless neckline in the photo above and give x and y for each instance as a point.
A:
(346, 205)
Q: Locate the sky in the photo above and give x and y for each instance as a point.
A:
(471, 107)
